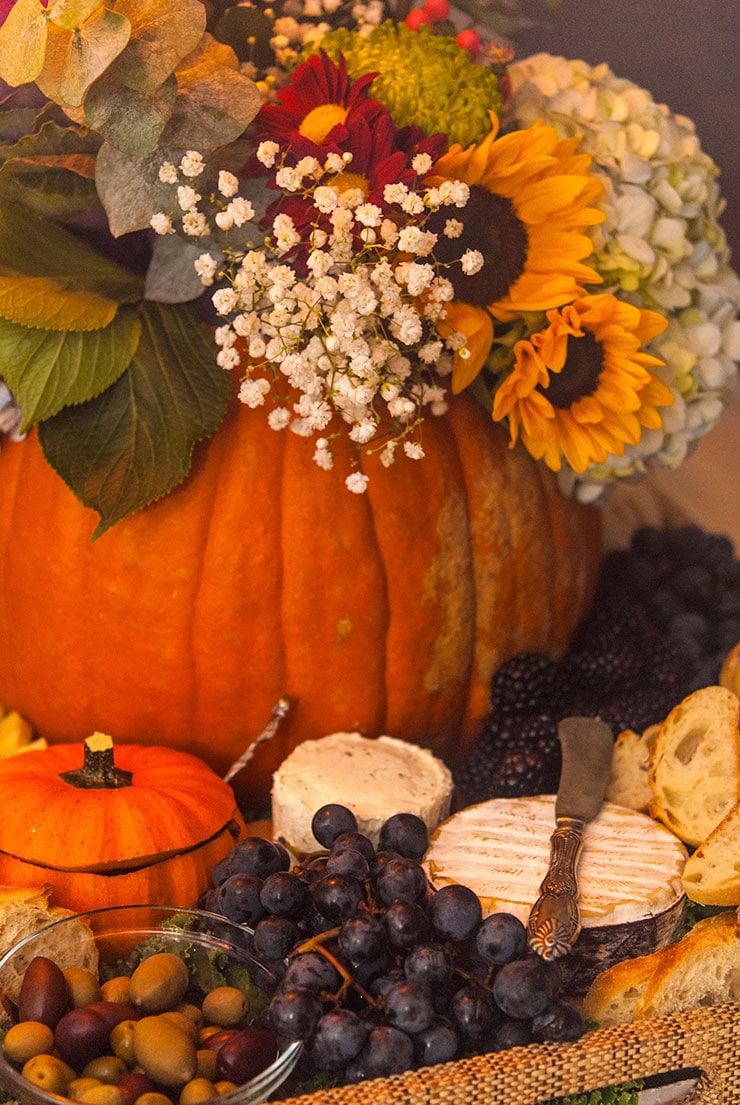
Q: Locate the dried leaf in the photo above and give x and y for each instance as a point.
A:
(23, 38)
(130, 120)
(163, 32)
(47, 370)
(133, 444)
(71, 14)
(130, 189)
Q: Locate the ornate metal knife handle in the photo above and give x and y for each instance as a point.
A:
(554, 921)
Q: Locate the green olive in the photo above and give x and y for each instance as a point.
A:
(117, 989)
(197, 1090)
(207, 1063)
(164, 1052)
(108, 1068)
(192, 1011)
(122, 1041)
(49, 1073)
(224, 1086)
(27, 1039)
(184, 1023)
(153, 1097)
(78, 1086)
(103, 1095)
(82, 986)
(159, 982)
(226, 1006)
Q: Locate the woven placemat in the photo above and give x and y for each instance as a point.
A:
(707, 1039)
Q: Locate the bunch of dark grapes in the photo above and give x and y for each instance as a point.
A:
(378, 973)
(666, 613)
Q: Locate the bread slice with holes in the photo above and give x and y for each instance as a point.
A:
(712, 874)
(701, 969)
(695, 764)
(629, 784)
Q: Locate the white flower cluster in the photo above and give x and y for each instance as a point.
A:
(352, 327)
(660, 246)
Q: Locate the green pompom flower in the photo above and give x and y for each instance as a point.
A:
(423, 79)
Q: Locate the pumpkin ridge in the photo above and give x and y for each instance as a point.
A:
(122, 867)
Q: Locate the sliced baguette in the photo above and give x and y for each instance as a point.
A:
(614, 994)
(26, 910)
(712, 874)
(629, 784)
(695, 764)
(729, 675)
(701, 969)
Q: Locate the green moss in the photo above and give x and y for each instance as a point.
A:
(423, 79)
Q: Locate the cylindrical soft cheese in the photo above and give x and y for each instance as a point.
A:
(374, 777)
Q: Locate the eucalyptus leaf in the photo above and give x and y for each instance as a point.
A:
(133, 444)
(92, 48)
(47, 370)
(34, 246)
(23, 38)
(71, 14)
(216, 102)
(163, 32)
(130, 120)
(130, 189)
(171, 276)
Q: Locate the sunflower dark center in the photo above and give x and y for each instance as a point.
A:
(490, 225)
(580, 374)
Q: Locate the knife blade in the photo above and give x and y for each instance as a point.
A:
(587, 745)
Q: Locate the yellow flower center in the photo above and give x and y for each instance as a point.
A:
(321, 120)
(344, 181)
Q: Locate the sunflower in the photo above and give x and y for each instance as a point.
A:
(531, 202)
(582, 388)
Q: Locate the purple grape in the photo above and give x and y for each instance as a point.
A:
(472, 1012)
(438, 1043)
(455, 912)
(275, 937)
(358, 842)
(521, 988)
(387, 1051)
(558, 1023)
(362, 938)
(408, 1006)
(403, 879)
(406, 924)
(312, 971)
(255, 856)
(337, 897)
(339, 1037)
(430, 964)
(501, 938)
(294, 1013)
(238, 899)
(330, 821)
(284, 894)
(348, 862)
(406, 834)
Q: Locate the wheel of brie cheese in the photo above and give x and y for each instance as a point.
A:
(374, 777)
(629, 874)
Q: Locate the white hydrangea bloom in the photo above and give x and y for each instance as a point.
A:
(661, 245)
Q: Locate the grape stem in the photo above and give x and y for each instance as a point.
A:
(316, 944)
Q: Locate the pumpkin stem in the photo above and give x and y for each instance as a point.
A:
(98, 770)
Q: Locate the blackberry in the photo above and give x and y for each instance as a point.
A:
(512, 760)
(522, 685)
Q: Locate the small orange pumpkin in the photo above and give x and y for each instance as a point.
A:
(148, 828)
(263, 576)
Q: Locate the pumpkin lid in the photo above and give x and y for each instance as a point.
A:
(74, 807)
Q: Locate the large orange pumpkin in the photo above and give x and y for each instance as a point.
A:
(262, 576)
(149, 827)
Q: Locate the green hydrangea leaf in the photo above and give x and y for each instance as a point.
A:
(171, 276)
(52, 303)
(33, 246)
(23, 38)
(133, 444)
(47, 370)
(130, 120)
(216, 102)
(163, 32)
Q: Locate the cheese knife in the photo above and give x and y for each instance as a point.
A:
(587, 746)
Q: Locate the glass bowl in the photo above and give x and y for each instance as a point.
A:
(110, 941)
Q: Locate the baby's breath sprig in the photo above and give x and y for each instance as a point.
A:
(332, 317)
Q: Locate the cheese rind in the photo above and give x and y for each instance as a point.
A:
(374, 777)
(630, 867)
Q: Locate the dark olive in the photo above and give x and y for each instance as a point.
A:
(43, 995)
(81, 1035)
(133, 1085)
(249, 1051)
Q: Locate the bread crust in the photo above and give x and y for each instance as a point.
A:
(712, 874)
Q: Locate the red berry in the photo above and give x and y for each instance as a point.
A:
(469, 40)
(417, 18)
(437, 10)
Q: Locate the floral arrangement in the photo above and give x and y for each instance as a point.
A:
(353, 211)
